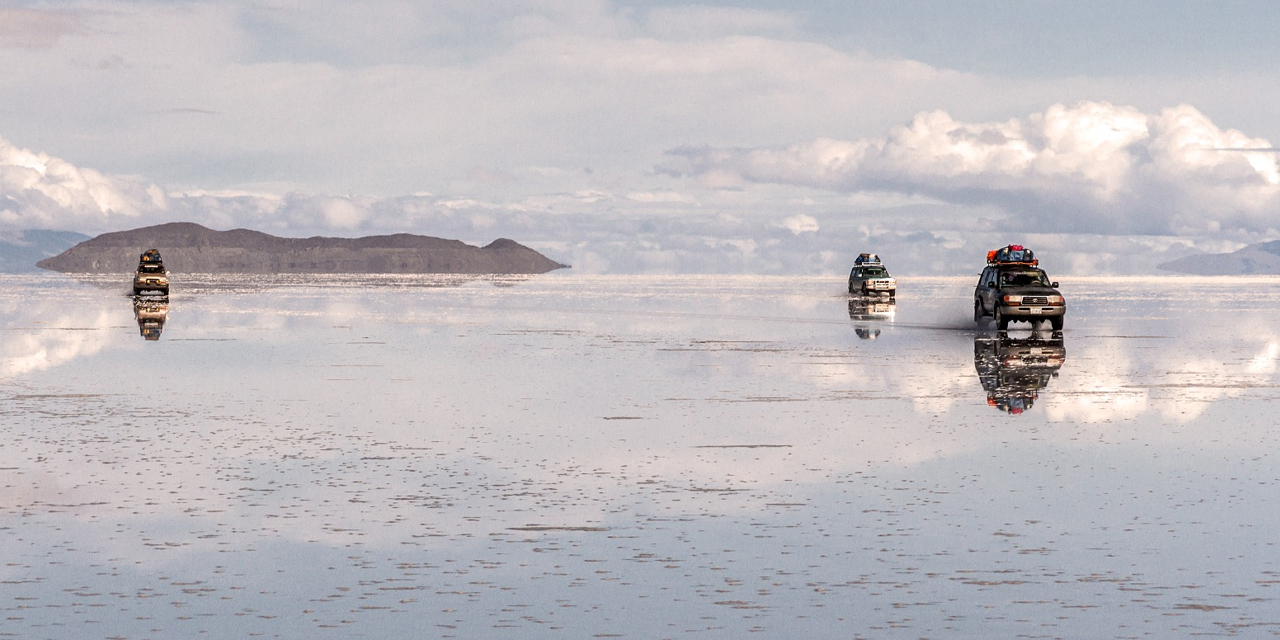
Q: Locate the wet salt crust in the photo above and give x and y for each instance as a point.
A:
(646, 457)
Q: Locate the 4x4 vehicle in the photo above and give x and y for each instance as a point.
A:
(150, 275)
(870, 277)
(1013, 288)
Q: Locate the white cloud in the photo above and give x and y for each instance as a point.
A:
(40, 191)
(639, 232)
(394, 96)
(1091, 166)
(662, 196)
(800, 223)
(545, 128)
(339, 213)
(400, 97)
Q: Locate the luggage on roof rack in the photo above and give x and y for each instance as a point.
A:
(1012, 254)
(150, 256)
(866, 258)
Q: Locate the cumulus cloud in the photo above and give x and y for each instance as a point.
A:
(396, 96)
(1090, 166)
(800, 223)
(640, 232)
(40, 191)
(596, 230)
(336, 213)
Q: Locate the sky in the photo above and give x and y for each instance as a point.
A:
(658, 137)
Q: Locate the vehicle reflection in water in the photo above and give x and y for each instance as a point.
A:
(864, 311)
(1014, 370)
(150, 313)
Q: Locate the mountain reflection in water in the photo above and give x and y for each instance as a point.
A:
(1014, 370)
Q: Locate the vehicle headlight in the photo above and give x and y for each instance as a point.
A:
(1055, 300)
(1013, 299)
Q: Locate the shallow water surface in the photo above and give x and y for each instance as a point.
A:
(648, 457)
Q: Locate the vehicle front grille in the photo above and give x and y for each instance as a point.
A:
(1034, 300)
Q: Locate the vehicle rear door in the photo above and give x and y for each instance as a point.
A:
(987, 291)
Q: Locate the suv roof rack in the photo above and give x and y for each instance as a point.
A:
(1012, 254)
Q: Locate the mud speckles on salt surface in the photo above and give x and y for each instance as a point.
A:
(642, 457)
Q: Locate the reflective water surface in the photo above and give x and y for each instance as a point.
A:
(570, 456)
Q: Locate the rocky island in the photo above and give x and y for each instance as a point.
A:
(1262, 258)
(191, 248)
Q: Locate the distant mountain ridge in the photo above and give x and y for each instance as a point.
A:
(20, 253)
(1262, 258)
(191, 248)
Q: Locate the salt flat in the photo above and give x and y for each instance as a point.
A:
(567, 456)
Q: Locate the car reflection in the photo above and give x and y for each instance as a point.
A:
(1014, 370)
(150, 314)
(865, 311)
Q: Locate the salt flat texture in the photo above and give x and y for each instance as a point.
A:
(572, 456)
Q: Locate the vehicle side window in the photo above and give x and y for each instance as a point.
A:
(985, 278)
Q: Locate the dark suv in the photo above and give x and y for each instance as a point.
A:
(1012, 291)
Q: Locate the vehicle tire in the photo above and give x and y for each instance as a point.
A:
(1056, 323)
(1002, 323)
(977, 312)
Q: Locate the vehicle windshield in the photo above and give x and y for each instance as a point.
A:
(150, 268)
(874, 271)
(1030, 277)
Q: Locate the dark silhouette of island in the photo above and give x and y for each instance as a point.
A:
(1262, 258)
(190, 248)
